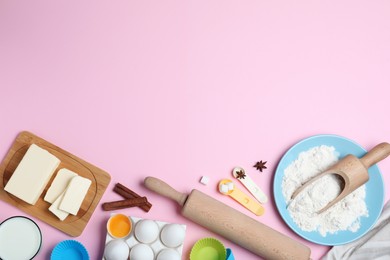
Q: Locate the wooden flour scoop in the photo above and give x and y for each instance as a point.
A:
(352, 171)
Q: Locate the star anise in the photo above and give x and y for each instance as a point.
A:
(260, 165)
(240, 174)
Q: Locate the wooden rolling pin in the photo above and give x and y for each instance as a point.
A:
(232, 224)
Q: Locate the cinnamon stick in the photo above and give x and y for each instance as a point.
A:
(129, 194)
(126, 203)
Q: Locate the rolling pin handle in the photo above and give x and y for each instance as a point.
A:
(165, 190)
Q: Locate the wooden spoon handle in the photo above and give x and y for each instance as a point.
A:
(165, 190)
(376, 154)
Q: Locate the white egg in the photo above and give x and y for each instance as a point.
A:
(116, 249)
(146, 231)
(168, 254)
(141, 252)
(172, 235)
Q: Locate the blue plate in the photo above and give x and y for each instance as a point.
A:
(69, 250)
(374, 189)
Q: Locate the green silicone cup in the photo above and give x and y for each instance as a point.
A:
(208, 249)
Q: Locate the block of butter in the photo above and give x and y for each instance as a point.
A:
(75, 194)
(59, 184)
(56, 211)
(32, 174)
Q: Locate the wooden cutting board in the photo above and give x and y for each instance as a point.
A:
(72, 225)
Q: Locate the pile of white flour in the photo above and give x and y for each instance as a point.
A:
(303, 209)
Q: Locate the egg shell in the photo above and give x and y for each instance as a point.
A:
(141, 252)
(168, 254)
(157, 246)
(146, 231)
(119, 226)
(116, 250)
(172, 235)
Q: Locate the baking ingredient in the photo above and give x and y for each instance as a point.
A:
(116, 249)
(129, 194)
(141, 252)
(126, 203)
(160, 250)
(260, 166)
(227, 187)
(54, 208)
(205, 180)
(252, 187)
(75, 194)
(59, 184)
(20, 238)
(74, 226)
(344, 215)
(240, 174)
(172, 235)
(223, 188)
(146, 231)
(32, 174)
(119, 226)
(168, 254)
(372, 245)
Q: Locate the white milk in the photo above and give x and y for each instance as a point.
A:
(20, 238)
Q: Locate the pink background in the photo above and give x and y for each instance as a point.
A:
(182, 89)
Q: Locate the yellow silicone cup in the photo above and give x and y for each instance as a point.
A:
(119, 226)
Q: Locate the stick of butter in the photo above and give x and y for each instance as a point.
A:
(75, 194)
(56, 211)
(32, 174)
(59, 184)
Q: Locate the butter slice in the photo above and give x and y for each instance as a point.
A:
(75, 194)
(32, 174)
(59, 184)
(56, 211)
